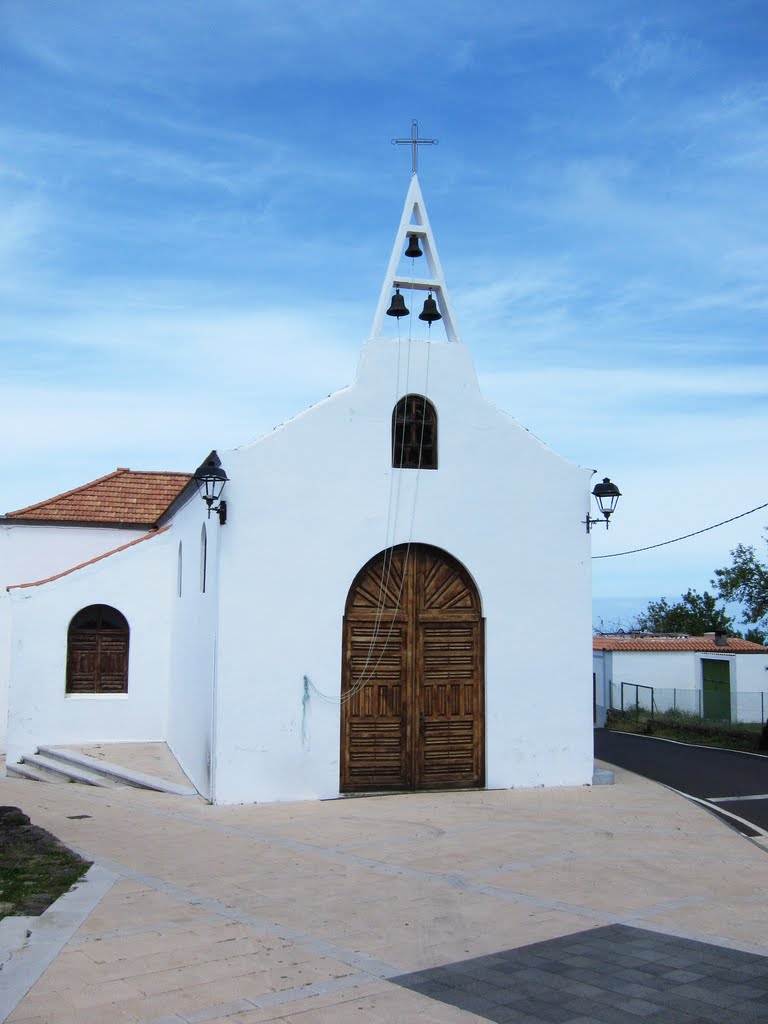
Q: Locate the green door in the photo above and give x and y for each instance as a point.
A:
(716, 685)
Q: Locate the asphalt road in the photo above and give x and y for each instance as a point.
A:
(723, 777)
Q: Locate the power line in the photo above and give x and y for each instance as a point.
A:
(650, 547)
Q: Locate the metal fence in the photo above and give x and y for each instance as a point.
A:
(654, 700)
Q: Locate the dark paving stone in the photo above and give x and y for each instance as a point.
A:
(610, 975)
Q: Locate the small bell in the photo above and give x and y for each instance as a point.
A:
(413, 249)
(397, 305)
(430, 312)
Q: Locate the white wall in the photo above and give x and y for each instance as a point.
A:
(751, 673)
(311, 503)
(36, 551)
(194, 615)
(682, 670)
(601, 670)
(664, 669)
(138, 582)
(5, 662)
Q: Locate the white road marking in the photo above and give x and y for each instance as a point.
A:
(726, 814)
(733, 799)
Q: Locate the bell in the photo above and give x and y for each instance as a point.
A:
(430, 312)
(397, 305)
(413, 249)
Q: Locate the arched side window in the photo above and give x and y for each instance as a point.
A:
(97, 651)
(414, 433)
(203, 557)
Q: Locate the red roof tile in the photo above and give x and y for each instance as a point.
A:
(123, 498)
(704, 644)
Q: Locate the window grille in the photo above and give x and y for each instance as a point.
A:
(414, 433)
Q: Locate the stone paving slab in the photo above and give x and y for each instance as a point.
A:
(317, 912)
(606, 974)
(29, 950)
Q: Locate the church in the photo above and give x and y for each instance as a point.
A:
(389, 592)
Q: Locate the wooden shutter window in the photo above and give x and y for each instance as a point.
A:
(97, 651)
(414, 433)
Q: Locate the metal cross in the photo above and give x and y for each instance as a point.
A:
(415, 141)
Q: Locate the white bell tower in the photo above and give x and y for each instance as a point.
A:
(414, 224)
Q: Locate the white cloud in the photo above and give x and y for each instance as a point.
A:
(102, 156)
(644, 53)
(22, 225)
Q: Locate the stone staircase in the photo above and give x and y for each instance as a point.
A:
(59, 765)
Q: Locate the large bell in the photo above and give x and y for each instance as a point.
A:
(413, 249)
(397, 305)
(430, 312)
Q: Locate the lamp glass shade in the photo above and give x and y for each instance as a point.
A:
(210, 479)
(607, 496)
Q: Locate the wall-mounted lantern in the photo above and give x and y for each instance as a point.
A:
(607, 496)
(210, 479)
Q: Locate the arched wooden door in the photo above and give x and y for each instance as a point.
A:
(413, 675)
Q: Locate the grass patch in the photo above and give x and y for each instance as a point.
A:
(35, 868)
(687, 728)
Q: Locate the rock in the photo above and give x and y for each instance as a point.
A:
(13, 816)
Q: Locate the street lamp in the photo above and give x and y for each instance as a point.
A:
(607, 496)
(210, 479)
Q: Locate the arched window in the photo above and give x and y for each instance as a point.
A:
(203, 557)
(97, 651)
(414, 433)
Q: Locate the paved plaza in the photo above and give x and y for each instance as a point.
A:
(597, 904)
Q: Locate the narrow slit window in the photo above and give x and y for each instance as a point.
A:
(203, 557)
(414, 433)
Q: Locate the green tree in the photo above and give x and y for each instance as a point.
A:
(746, 580)
(694, 613)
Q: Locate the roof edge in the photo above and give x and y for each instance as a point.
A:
(181, 499)
(90, 523)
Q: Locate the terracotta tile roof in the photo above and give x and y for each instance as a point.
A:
(125, 498)
(91, 561)
(703, 644)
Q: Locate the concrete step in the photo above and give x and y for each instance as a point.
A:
(602, 777)
(113, 774)
(58, 771)
(25, 771)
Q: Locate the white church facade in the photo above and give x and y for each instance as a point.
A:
(373, 613)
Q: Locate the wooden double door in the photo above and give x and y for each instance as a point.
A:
(413, 675)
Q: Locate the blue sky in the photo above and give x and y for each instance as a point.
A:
(199, 200)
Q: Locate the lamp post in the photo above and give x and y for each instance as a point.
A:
(210, 479)
(607, 495)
